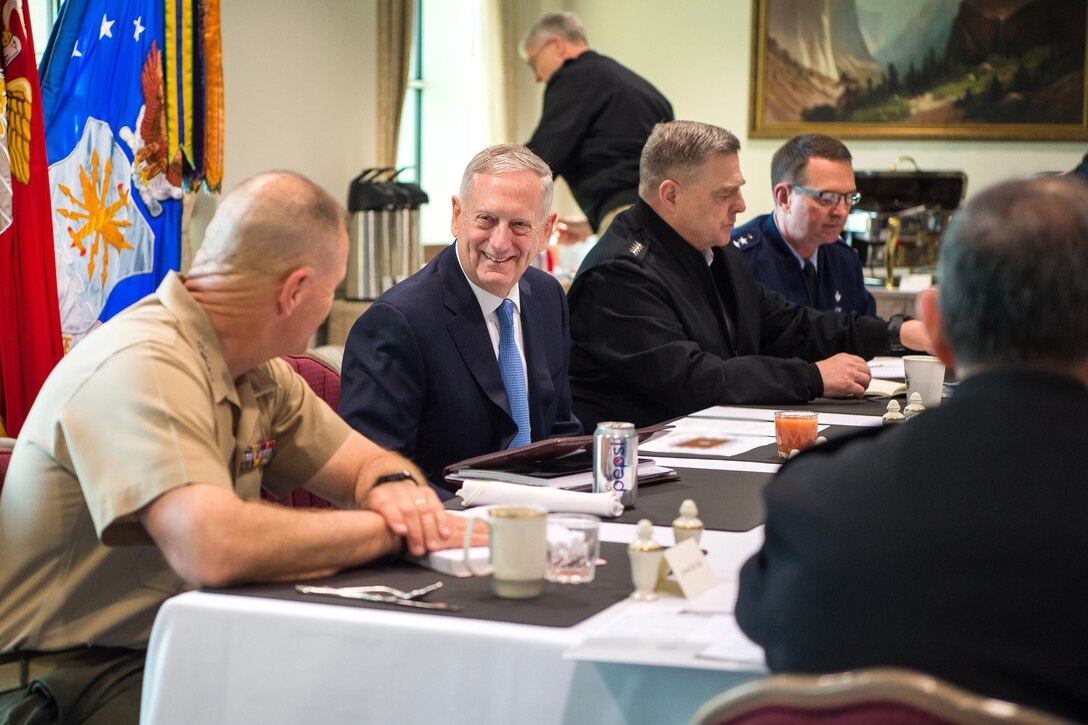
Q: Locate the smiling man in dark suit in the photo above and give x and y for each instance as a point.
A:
(469, 355)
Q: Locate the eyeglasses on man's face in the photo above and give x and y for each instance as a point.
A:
(830, 198)
(530, 60)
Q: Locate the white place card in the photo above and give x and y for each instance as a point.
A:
(690, 568)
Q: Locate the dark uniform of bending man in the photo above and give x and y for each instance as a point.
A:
(597, 116)
(666, 318)
(954, 543)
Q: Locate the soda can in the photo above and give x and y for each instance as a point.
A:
(615, 460)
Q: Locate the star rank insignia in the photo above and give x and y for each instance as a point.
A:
(204, 355)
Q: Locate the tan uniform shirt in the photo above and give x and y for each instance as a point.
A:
(143, 405)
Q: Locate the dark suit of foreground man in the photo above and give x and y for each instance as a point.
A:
(666, 318)
(955, 543)
(421, 373)
(138, 472)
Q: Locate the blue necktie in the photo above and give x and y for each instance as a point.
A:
(513, 376)
(809, 271)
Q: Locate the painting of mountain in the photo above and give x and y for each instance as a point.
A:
(929, 68)
(919, 34)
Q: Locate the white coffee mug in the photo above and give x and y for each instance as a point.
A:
(519, 550)
(924, 375)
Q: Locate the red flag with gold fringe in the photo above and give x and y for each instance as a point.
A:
(30, 342)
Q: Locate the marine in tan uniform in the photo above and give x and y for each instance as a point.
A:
(137, 474)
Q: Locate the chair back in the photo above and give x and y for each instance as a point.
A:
(324, 379)
(860, 697)
(6, 446)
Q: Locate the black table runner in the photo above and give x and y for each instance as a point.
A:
(561, 605)
(727, 500)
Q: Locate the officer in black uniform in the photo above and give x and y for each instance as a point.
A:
(666, 318)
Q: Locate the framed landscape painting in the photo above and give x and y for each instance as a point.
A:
(974, 69)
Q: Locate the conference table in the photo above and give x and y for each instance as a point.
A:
(578, 654)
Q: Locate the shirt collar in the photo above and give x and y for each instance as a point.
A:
(489, 302)
(196, 328)
(800, 260)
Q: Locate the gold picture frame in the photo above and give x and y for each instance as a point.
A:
(938, 69)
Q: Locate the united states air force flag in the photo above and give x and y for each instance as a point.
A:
(118, 157)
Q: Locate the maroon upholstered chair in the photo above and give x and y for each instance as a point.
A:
(887, 696)
(5, 458)
(325, 381)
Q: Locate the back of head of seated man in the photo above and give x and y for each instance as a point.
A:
(666, 318)
(423, 366)
(797, 250)
(952, 544)
(138, 471)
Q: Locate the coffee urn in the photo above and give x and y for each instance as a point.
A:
(384, 232)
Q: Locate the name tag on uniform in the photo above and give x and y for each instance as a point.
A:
(259, 455)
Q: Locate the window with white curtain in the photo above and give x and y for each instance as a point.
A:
(43, 13)
(447, 115)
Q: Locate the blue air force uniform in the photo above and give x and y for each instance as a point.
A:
(839, 283)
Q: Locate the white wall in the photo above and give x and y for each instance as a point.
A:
(299, 85)
(698, 53)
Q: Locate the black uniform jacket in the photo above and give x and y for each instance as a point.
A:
(657, 333)
(953, 543)
(596, 119)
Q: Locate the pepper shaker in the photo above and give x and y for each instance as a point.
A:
(914, 406)
(893, 415)
(646, 556)
(687, 525)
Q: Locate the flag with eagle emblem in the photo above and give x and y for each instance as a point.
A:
(121, 82)
(30, 343)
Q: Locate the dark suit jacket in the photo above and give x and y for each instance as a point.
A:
(955, 543)
(420, 374)
(656, 333)
(840, 284)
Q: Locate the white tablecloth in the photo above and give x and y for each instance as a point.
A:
(216, 658)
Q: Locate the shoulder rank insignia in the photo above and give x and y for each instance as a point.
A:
(636, 248)
(742, 241)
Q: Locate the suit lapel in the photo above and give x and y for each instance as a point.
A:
(469, 331)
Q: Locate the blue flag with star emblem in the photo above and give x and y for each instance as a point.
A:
(116, 177)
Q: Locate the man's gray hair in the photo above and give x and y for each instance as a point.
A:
(505, 159)
(789, 161)
(270, 224)
(676, 148)
(555, 25)
(1013, 273)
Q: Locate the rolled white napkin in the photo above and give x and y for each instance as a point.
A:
(481, 493)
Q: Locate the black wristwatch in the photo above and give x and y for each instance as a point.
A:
(398, 476)
(894, 324)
